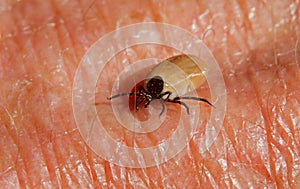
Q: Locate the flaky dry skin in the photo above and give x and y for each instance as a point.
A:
(255, 43)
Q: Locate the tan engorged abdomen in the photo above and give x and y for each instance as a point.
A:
(180, 73)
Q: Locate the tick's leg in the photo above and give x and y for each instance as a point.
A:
(141, 101)
(163, 106)
(137, 102)
(194, 98)
(147, 103)
(175, 100)
(168, 93)
(141, 89)
(121, 94)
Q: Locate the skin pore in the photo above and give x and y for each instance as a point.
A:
(255, 44)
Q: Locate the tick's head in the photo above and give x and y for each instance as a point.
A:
(155, 86)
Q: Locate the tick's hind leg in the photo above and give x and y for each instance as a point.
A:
(168, 93)
(194, 98)
(163, 107)
(177, 101)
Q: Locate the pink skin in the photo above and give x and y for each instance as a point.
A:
(255, 43)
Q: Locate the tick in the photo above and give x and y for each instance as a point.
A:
(168, 82)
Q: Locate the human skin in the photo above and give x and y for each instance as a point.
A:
(255, 44)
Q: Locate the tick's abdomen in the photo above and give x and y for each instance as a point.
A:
(181, 74)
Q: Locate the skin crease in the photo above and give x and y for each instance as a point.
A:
(255, 44)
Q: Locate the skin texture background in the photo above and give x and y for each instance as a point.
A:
(256, 44)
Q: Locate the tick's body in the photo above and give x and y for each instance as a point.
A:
(169, 81)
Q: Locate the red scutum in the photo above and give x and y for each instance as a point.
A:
(142, 114)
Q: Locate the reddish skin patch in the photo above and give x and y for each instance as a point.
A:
(142, 114)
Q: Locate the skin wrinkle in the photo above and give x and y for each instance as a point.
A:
(269, 138)
(20, 155)
(92, 171)
(268, 124)
(282, 131)
(288, 157)
(51, 114)
(11, 136)
(268, 128)
(74, 177)
(40, 130)
(79, 46)
(195, 159)
(296, 52)
(57, 157)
